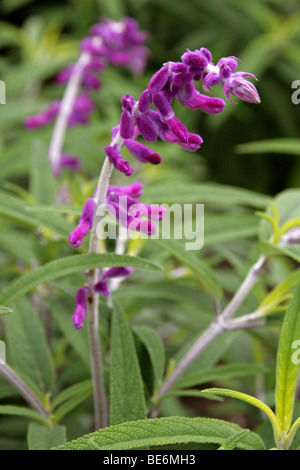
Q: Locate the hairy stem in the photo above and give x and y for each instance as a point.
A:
(23, 389)
(100, 399)
(67, 104)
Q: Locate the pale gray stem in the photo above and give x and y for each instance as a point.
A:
(219, 325)
(67, 104)
(251, 278)
(100, 399)
(210, 333)
(16, 381)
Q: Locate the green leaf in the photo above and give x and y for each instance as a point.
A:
(200, 268)
(44, 438)
(66, 266)
(127, 401)
(78, 339)
(248, 399)
(287, 204)
(22, 411)
(219, 373)
(155, 348)
(15, 208)
(287, 146)
(4, 310)
(233, 441)
(70, 404)
(288, 365)
(206, 193)
(28, 351)
(164, 431)
(42, 181)
(73, 391)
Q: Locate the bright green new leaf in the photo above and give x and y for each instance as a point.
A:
(288, 363)
(4, 310)
(248, 399)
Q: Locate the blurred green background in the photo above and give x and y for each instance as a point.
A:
(37, 38)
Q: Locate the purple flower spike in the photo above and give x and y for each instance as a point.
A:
(115, 157)
(159, 80)
(142, 153)
(85, 224)
(101, 288)
(81, 308)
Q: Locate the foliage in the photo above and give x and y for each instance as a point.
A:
(246, 174)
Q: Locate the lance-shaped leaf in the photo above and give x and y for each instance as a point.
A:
(288, 364)
(127, 400)
(69, 265)
(164, 431)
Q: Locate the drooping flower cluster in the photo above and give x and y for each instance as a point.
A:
(121, 202)
(152, 116)
(109, 42)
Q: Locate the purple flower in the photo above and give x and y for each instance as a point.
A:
(146, 128)
(159, 80)
(80, 114)
(43, 118)
(85, 224)
(130, 212)
(116, 158)
(83, 107)
(190, 97)
(101, 287)
(134, 190)
(292, 236)
(122, 43)
(237, 85)
(195, 60)
(142, 153)
(80, 308)
(71, 162)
